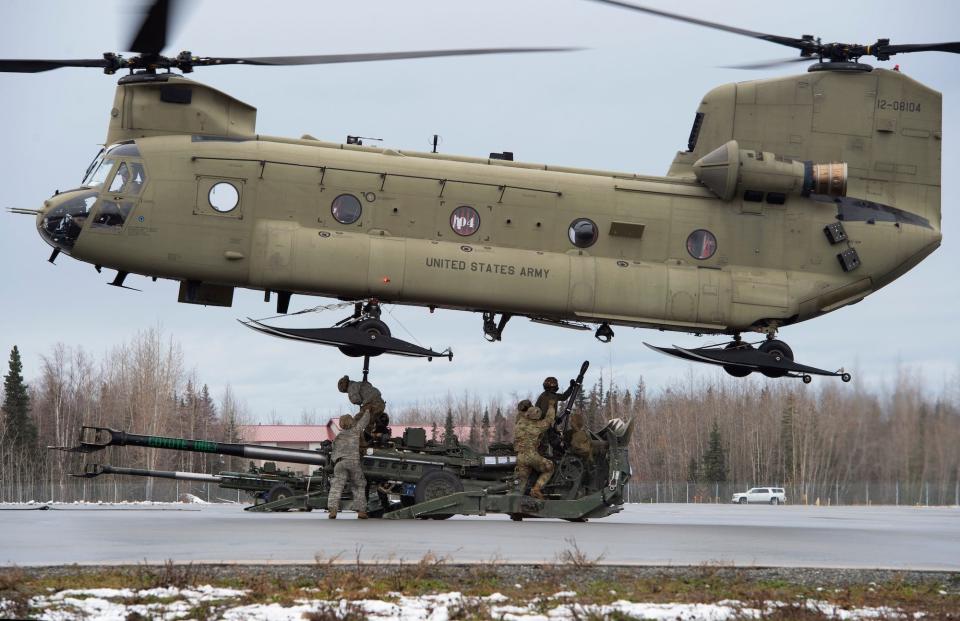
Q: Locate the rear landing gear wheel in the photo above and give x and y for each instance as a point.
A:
(807, 379)
(735, 370)
(845, 377)
(780, 351)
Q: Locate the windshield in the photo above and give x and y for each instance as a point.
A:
(93, 166)
(99, 175)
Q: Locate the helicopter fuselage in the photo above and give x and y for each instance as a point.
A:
(217, 206)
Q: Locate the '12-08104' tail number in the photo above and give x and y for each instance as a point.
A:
(898, 105)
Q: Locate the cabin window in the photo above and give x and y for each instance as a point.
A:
(464, 220)
(346, 209)
(223, 197)
(583, 233)
(701, 244)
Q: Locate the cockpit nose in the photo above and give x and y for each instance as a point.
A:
(62, 218)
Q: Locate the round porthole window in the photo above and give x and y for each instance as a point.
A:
(223, 197)
(583, 233)
(701, 244)
(464, 220)
(346, 209)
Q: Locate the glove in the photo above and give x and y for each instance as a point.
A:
(573, 383)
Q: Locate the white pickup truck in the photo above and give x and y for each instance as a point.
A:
(767, 495)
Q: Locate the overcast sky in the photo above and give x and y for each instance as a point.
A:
(625, 104)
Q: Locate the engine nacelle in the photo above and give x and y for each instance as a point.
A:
(729, 170)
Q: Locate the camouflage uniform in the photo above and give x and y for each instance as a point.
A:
(529, 429)
(367, 397)
(346, 465)
(550, 398)
(580, 442)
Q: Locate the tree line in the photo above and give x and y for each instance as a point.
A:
(700, 431)
(141, 385)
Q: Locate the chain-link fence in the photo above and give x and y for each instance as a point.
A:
(157, 490)
(164, 490)
(838, 493)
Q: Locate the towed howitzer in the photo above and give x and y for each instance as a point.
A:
(561, 420)
(432, 480)
(265, 484)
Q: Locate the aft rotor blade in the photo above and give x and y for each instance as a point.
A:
(329, 59)
(29, 65)
(953, 47)
(770, 63)
(800, 44)
(151, 37)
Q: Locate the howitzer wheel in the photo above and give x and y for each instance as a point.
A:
(279, 492)
(436, 484)
(571, 468)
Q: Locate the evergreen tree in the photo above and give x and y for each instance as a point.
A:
(449, 433)
(786, 441)
(21, 432)
(433, 431)
(714, 460)
(474, 438)
(693, 471)
(500, 431)
(485, 430)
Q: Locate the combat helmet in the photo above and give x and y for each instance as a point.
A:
(346, 422)
(533, 413)
(343, 383)
(524, 405)
(551, 384)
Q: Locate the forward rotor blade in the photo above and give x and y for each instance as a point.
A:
(151, 37)
(329, 59)
(25, 65)
(800, 44)
(770, 63)
(953, 47)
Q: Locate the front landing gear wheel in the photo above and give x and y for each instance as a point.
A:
(373, 327)
(735, 370)
(780, 351)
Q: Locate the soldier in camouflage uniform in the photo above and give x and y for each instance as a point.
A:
(369, 399)
(530, 427)
(549, 398)
(346, 466)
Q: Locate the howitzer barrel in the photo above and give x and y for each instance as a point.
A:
(97, 438)
(94, 470)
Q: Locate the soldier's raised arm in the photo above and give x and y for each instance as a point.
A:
(363, 420)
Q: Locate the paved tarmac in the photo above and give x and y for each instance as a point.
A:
(663, 534)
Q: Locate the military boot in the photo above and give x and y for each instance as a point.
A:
(536, 492)
(362, 515)
(333, 514)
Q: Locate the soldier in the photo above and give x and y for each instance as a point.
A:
(346, 465)
(530, 427)
(550, 397)
(367, 396)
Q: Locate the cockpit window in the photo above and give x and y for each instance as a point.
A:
(112, 214)
(93, 166)
(120, 179)
(98, 176)
(129, 179)
(61, 226)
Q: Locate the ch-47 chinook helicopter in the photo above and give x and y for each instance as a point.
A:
(796, 196)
